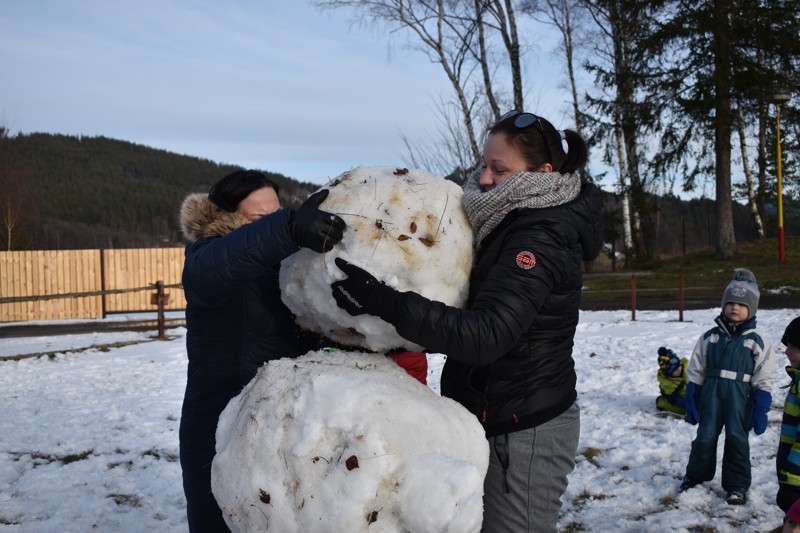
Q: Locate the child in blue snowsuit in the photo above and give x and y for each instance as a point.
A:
(730, 380)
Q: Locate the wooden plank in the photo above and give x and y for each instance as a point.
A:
(6, 284)
(94, 283)
(56, 282)
(68, 266)
(28, 308)
(77, 285)
(5, 309)
(135, 279)
(141, 269)
(17, 287)
(113, 276)
(36, 281)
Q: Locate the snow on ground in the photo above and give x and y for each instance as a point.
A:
(89, 439)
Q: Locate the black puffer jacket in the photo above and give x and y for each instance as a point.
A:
(235, 321)
(509, 352)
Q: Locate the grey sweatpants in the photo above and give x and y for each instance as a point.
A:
(528, 498)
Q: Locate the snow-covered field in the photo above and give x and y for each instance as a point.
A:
(89, 439)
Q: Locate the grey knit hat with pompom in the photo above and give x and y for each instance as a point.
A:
(743, 289)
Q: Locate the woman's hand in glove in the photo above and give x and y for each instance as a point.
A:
(353, 293)
(313, 228)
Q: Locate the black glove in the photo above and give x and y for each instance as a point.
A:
(315, 229)
(353, 293)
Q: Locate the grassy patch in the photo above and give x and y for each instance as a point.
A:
(75, 457)
(704, 275)
(592, 454)
(573, 527)
(702, 529)
(668, 501)
(127, 464)
(580, 501)
(131, 500)
(44, 458)
(160, 454)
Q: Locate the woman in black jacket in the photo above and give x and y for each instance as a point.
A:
(509, 352)
(237, 237)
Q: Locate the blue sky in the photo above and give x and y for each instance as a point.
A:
(269, 84)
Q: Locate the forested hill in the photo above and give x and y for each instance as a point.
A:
(68, 192)
(93, 192)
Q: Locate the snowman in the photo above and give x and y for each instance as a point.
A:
(343, 439)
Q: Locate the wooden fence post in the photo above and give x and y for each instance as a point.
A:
(680, 299)
(633, 297)
(160, 302)
(103, 282)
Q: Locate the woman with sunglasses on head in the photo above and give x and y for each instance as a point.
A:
(509, 351)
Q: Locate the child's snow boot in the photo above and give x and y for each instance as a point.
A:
(688, 483)
(736, 497)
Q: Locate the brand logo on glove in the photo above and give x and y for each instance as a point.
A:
(350, 298)
(526, 260)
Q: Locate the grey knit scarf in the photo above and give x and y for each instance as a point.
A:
(485, 209)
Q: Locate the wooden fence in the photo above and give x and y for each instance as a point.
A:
(60, 284)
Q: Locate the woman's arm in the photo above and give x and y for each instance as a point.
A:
(499, 314)
(216, 268)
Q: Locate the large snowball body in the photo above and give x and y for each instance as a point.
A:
(347, 441)
(407, 227)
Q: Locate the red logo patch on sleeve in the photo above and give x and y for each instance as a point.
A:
(526, 260)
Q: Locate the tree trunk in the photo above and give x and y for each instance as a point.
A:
(726, 238)
(748, 175)
(507, 24)
(761, 201)
(624, 190)
(569, 52)
(484, 61)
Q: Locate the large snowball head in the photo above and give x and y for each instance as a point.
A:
(406, 227)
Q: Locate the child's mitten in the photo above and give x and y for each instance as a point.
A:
(762, 401)
(693, 402)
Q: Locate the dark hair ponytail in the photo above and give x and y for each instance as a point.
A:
(539, 142)
(228, 192)
(577, 152)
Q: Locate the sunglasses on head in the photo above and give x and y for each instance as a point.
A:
(523, 120)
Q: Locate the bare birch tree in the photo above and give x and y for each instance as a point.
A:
(748, 175)
(615, 63)
(624, 192)
(559, 14)
(15, 202)
(458, 35)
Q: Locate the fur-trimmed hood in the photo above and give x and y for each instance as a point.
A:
(201, 218)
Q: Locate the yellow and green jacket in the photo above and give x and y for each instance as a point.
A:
(673, 391)
(787, 461)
